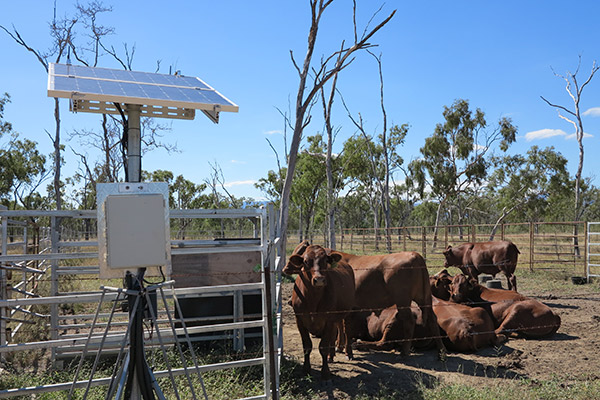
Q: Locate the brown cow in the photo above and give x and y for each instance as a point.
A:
(468, 328)
(323, 294)
(440, 284)
(485, 257)
(392, 280)
(513, 313)
(380, 330)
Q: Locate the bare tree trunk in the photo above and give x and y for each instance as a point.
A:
(437, 223)
(303, 102)
(57, 156)
(331, 207)
(575, 91)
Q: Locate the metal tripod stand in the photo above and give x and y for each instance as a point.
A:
(132, 377)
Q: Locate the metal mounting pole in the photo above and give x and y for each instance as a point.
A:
(134, 144)
(139, 381)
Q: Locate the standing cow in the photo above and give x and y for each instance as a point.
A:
(322, 297)
(485, 257)
(392, 280)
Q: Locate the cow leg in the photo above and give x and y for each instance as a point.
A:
(511, 281)
(341, 338)
(327, 343)
(347, 338)
(472, 272)
(430, 321)
(406, 320)
(306, 345)
(464, 269)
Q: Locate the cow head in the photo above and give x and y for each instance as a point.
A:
(453, 256)
(299, 250)
(314, 262)
(462, 288)
(440, 284)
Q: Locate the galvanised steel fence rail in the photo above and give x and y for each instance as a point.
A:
(56, 289)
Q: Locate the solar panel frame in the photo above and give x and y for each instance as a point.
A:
(78, 82)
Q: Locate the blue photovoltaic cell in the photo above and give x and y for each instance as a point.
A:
(142, 86)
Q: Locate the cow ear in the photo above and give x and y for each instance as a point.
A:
(334, 257)
(471, 246)
(447, 251)
(294, 265)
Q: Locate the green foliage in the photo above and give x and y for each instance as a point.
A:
(22, 166)
(535, 185)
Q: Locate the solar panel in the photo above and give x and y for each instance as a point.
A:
(94, 89)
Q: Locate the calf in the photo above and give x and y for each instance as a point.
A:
(467, 328)
(397, 280)
(381, 330)
(322, 297)
(485, 257)
(512, 312)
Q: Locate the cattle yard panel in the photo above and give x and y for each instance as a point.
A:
(56, 289)
(593, 250)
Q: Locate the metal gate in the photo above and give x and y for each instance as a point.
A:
(593, 250)
(70, 332)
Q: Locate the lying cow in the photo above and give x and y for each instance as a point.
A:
(440, 284)
(467, 328)
(322, 297)
(485, 257)
(513, 313)
(392, 280)
(383, 330)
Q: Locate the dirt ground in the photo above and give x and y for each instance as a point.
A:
(571, 355)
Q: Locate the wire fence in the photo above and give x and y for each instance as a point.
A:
(543, 245)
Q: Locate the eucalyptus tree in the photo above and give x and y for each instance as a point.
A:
(22, 166)
(529, 187)
(455, 159)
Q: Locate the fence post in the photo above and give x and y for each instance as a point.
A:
(54, 238)
(3, 292)
(404, 238)
(351, 238)
(363, 241)
(502, 232)
(424, 245)
(446, 237)
(531, 244)
(473, 234)
(585, 249)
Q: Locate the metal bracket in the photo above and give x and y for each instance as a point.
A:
(213, 114)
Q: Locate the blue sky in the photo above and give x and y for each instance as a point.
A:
(498, 55)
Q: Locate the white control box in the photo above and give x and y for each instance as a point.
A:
(133, 229)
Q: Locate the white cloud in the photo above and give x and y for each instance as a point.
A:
(592, 112)
(240, 183)
(274, 132)
(544, 134)
(238, 162)
(572, 136)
